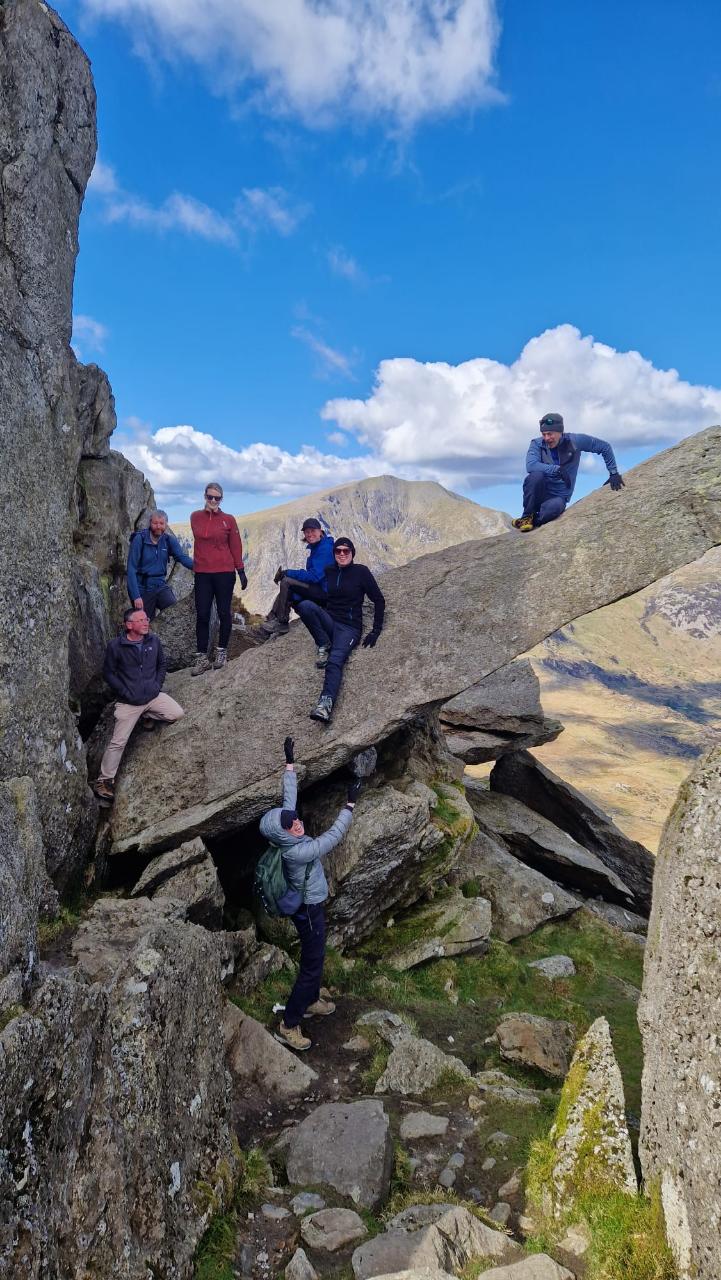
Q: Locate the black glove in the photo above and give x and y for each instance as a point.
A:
(279, 575)
(243, 579)
(354, 789)
(370, 639)
(616, 481)
(288, 748)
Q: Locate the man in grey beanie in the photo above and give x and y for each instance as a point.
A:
(552, 466)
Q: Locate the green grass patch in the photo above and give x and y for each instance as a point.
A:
(628, 1236)
(216, 1253)
(8, 1013)
(68, 918)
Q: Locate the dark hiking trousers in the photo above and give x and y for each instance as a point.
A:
(310, 923)
(209, 587)
(154, 600)
(341, 639)
(290, 593)
(538, 502)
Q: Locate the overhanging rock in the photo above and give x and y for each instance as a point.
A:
(452, 618)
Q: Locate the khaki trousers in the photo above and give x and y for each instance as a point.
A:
(162, 707)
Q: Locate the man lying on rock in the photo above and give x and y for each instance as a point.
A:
(300, 584)
(134, 668)
(552, 466)
(302, 862)
(148, 555)
(336, 625)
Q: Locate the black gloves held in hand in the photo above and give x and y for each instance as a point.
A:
(288, 749)
(354, 789)
(370, 639)
(243, 579)
(279, 574)
(616, 481)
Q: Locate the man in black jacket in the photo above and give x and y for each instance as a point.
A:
(134, 668)
(337, 624)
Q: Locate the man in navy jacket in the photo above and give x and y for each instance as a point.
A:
(552, 465)
(300, 584)
(134, 668)
(148, 555)
(337, 624)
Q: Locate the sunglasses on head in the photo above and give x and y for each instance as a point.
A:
(212, 497)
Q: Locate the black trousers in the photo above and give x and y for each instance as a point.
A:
(310, 923)
(209, 587)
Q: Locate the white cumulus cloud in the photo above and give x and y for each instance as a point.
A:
(402, 60)
(260, 209)
(465, 425)
(89, 335)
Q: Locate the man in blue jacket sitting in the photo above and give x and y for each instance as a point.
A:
(300, 584)
(552, 466)
(150, 550)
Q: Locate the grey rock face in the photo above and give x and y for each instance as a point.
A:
(452, 926)
(499, 714)
(112, 930)
(332, 1229)
(416, 1065)
(537, 1267)
(545, 1043)
(594, 1144)
(188, 875)
(423, 1124)
(259, 965)
(256, 1058)
(431, 1236)
(300, 1267)
(424, 657)
(535, 840)
(553, 967)
(391, 1027)
(346, 1146)
(544, 792)
(114, 1109)
(679, 1017)
(521, 898)
(500, 1085)
(24, 886)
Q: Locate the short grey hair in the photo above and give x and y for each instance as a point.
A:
(158, 512)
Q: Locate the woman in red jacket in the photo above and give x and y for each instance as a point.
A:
(217, 553)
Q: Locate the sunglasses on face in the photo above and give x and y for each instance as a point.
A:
(212, 497)
(343, 551)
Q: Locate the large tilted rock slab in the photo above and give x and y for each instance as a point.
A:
(188, 875)
(522, 776)
(680, 1015)
(347, 1146)
(257, 1060)
(115, 1140)
(521, 898)
(448, 626)
(499, 714)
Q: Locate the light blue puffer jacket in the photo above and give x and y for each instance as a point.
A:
(298, 851)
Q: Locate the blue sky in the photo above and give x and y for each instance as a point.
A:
(354, 228)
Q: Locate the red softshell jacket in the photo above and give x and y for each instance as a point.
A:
(217, 547)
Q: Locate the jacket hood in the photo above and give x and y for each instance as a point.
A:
(273, 831)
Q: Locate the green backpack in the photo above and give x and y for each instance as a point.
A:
(271, 888)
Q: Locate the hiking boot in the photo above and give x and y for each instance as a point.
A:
(324, 708)
(104, 789)
(322, 654)
(274, 627)
(320, 1008)
(201, 665)
(293, 1037)
(524, 524)
(221, 658)
(148, 723)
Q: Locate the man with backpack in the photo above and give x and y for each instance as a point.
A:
(300, 584)
(148, 555)
(307, 890)
(552, 466)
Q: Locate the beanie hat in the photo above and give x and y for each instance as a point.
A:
(311, 523)
(344, 542)
(551, 422)
(287, 818)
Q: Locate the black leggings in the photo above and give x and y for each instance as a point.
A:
(209, 586)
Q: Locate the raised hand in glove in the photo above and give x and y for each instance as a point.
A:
(279, 574)
(616, 481)
(288, 749)
(354, 789)
(243, 579)
(370, 639)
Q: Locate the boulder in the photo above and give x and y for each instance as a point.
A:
(590, 1135)
(423, 1124)
(448, 926)
(114, 1112)
(306, 1202)
(553, 967)
(25, 891)
(506, 1089)
(300, 1267)
(521, 898)
(188, 875)
(499, 714)
(259, 965)
(434, 604)
(619, 917)
(679, 1015)
(545, 1043)
(391, 1027)
(256, 1059)
(112, 930)
(537, 1267)
(537, 841)
(347, 1146)
(332, 1229)
(416, 1065)
(435, 1236)
(522, 776)
(418, 1273)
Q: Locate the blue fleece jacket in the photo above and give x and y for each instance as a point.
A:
(560, 465)
(298, 851)
(148, 561)
(320, 555)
